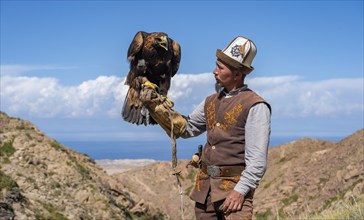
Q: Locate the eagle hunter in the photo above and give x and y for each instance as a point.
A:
(156, 57)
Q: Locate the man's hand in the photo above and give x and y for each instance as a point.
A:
(233, 202)
(148, 93)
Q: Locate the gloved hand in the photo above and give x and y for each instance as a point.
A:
(147, 95)
(160, 108)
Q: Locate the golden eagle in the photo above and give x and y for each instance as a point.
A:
(156, 57)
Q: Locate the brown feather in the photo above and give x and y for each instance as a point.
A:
(149, 58)
(135, 46)
(176, 58)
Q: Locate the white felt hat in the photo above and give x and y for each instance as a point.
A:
(239, 54)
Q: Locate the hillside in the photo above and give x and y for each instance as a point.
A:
(307, 176)
(303, 177)
(42, 179)
(157, 184)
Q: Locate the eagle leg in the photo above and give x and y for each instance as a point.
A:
(141, 67)
(137, 82)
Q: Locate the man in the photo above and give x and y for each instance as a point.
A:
(237, 122)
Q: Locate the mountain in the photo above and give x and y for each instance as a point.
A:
(42, 179)
(304, 177)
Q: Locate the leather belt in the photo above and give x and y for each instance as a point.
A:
(221, 171)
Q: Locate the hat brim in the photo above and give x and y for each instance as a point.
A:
(231, 62)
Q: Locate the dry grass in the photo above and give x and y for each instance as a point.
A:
(345, 212)
(354, 211)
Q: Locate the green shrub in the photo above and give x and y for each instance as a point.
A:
(285, 159)
(53, 212)
(6, 182)
(6, 160)
(266, 186)
(56, 145)
(89, 159)
(83, 171)
(263, 215)
(7, 148)
(290, 200)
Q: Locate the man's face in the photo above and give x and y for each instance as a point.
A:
(224, 76)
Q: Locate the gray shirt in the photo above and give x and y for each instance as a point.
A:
(257, 132)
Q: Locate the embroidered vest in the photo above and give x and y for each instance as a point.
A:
(225, 146)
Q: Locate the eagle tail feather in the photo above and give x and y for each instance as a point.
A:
(135, 114)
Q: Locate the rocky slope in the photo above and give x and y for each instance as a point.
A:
(304, 176)
(156, 183)
(308, 176)
(42, 179)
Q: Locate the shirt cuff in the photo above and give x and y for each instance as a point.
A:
(242, 188)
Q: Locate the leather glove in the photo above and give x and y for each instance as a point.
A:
(160, 108)
(147, 95)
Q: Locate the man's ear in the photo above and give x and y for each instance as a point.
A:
(237, 74)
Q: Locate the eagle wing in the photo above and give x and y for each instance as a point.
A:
(134, 51)
(136, 45)
(176, 59)
(172, 65)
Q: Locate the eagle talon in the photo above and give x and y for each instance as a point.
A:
(149, 85)
(168, 101)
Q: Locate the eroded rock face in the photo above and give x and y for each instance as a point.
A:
(41, 178)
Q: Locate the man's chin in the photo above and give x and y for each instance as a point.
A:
(218, 86)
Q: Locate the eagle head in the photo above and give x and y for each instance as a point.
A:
(161, 41)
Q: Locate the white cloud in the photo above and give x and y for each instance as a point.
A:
(46, 97)
(293, 96)
(12, 70)
(185, 85)
(188, 90)
(290, 96)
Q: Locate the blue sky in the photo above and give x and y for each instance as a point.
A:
(63, 63)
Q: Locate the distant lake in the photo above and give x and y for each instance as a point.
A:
(157, 150)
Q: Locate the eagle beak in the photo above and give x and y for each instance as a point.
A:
(163, 42)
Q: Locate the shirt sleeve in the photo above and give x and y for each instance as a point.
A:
(196, 122)
(257, 132)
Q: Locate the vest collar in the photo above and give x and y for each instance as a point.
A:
(233, 92)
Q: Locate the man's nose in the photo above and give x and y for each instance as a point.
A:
(215, 71)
